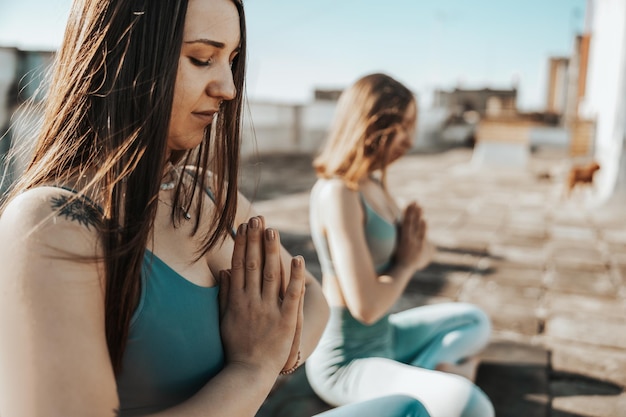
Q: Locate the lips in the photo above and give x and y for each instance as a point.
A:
(205, 116)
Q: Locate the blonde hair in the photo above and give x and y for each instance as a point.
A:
(368, 116)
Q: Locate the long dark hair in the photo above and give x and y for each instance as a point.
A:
(107, 114)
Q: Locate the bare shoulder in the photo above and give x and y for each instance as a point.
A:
(51, 218)
(335, 206)
(331, 193)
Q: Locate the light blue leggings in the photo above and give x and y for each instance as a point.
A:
(390, 406)
(397, 355)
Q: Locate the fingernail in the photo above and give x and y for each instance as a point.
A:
(242, 229)
(270, 235)
(254, 223)
(297, 261)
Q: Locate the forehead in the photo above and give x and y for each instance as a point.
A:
(217, 20)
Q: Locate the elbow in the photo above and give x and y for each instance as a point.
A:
(365, 315)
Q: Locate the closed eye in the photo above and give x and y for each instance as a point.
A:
(200, 63)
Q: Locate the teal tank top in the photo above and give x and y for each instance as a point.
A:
(174, 346)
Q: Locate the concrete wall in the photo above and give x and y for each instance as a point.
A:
(8, 73)
(605, 95)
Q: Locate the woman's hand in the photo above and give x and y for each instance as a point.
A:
(260, 326)
(413, 250)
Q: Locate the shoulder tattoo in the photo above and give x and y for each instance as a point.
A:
(77, 210)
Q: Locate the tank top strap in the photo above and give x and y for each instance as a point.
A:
(211, 195)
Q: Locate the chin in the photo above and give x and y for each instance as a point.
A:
(187, 142)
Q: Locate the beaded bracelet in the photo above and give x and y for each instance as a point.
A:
(293, 368)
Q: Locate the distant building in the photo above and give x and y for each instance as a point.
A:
(486, 101)
(21, 75)
(557, 92)
(327, 95)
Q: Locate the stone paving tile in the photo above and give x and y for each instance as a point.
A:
(455, 259)
(561, 232)
(576, 257)
(616, 236)
(528, 217)
(608, 217)
(587, 329)
(561, 302)
(514, 274)
(618, 258)
(578, 218)
(525, 254)
(567, 279)
(591, 362)
(535, 232)
(292, 214)
(509, 307)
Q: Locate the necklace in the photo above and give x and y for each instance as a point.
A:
(173, 172)
(168, 186)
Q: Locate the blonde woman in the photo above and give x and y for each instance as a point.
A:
(369, 249)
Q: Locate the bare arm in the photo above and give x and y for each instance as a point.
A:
(367, 294)
(53, 354)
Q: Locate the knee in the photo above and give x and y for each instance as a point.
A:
(481, 320)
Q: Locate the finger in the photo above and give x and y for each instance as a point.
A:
(284, 280)
(272, 267)
(422, 228)
(262, 220)
(254, 257)
(224, 277)
(237, 275)
(295, 347)
(291, 301)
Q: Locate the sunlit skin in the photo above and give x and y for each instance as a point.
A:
(204, 79)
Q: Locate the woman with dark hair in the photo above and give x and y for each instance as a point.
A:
(125, 290)
(369, 249)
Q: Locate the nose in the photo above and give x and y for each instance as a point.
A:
(223, 85)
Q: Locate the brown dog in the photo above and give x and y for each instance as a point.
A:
(581, 175)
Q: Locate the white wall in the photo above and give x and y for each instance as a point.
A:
(605, 96)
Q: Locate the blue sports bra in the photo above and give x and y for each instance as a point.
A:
(380, 235)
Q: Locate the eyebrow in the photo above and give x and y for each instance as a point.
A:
(209, 42)
(217, 44)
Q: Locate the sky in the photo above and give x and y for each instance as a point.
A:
(295, 46)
